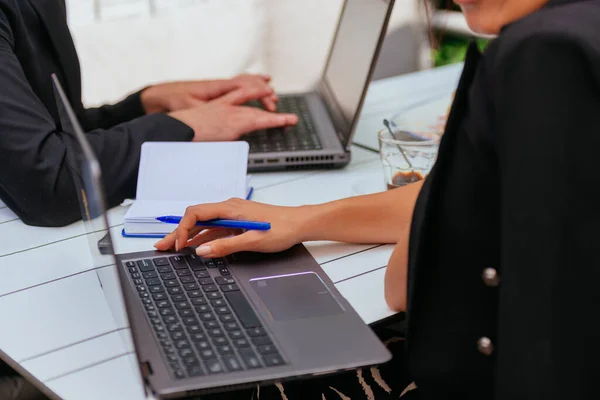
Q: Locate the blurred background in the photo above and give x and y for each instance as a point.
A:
(125, 45)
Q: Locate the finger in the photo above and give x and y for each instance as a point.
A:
(168, 242)
(194, 214)
(246, 94)
(208, 235)
(253, 119)
(222, 247)
(269, 104)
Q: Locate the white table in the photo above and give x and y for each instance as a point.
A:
(58, 324)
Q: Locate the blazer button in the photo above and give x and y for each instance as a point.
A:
(485, 346)
(490, 277)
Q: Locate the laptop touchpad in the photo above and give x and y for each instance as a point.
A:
(296, 296)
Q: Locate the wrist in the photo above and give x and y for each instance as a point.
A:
(312, 222)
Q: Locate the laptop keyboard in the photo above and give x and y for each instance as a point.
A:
(300, 137)
(202, 321)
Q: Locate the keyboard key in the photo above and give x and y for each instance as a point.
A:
(136, 276)
(224, 280)
(230, 288)
(164, 270)
(183, 344)
(195, 293)
(178, 374)
(261, 341)
(153, 281)
(211, 324)
(191, 286)
(177, 335)
(141, 288)
(195, 370)
(190, 321)
(130, 264)
(220, 341)
(203, 309)
(214, 366)
(168, 276)
(156, 289)
(207, 316)
(224, 271)
(175, 290)
(162, 335)
(267, 349)
(207, 354)
(178, 262)
(171, 282)
(132, 270)
(242, 309)
(220, 262)
(213, 295)
(163, 304)
(155, 321)
(194, 329)
(210, 288)
(146, 301)
(186, 313)
(273, 360)
(152, 314)
(224, 350)
(144, 295)
(210, 263)
(174, 327)
(231, 326)
(172, 358)
(186, 352)
(232, 363)
(197, 337)
(183, 272)
(236, 335)
(166, 311)
(160, 262)
(138, 281)
(150, 307)
(159, 296)
(145, 265)
(223, 310)
(186, 279)
(178, 298)
(250, 358)
(182, 305)
(218, 303)
(202, 345)
(159, 328)
(241, 343)
(202, 274)
(195, 261)
(149, 275)
(254, 332)
(190, 361)
(226, 318)
(206, 281)
(199, 301)
(215, 333)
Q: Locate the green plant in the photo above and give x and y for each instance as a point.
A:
(453, 49)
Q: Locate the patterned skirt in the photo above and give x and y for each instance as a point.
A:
(387, 381)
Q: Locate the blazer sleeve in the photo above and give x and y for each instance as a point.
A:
(35, 180)
(107, 116)
(546, 101)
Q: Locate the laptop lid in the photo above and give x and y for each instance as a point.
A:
(87, 176)
(351, 62)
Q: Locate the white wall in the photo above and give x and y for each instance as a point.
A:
(126, 44)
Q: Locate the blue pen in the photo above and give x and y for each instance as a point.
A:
(221, 223)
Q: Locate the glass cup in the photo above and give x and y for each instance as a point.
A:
(406, 158)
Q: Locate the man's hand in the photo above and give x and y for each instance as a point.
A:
(176, 96)
(223, 120)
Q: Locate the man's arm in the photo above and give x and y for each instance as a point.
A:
(35, 180)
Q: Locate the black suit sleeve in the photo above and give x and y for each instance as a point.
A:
(107, 116)
(35, 180)
(547, 135)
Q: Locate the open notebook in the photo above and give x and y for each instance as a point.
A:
(173, 176)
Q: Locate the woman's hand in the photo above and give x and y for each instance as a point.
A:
(175, 96)
(286, 229)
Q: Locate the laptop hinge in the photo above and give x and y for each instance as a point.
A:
(146, 369)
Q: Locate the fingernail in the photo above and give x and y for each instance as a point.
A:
(203, 250)
(176, 244)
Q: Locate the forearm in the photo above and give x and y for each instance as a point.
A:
(375, 218)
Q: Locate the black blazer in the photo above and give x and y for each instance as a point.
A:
(504, 264)
(35, 180)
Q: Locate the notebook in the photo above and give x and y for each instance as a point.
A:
(173, 176)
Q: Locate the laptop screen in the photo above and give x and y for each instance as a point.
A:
(86, 174)
(352, 58)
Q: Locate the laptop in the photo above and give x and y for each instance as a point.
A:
(203, 325)
(328, 116)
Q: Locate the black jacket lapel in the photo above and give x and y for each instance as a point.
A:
(53, 14)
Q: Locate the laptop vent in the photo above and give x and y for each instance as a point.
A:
(308, 166)
(308, 159)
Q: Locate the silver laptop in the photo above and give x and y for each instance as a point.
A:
(202, 325)
(329, 115)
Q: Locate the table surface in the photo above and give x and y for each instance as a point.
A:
(59, 325)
